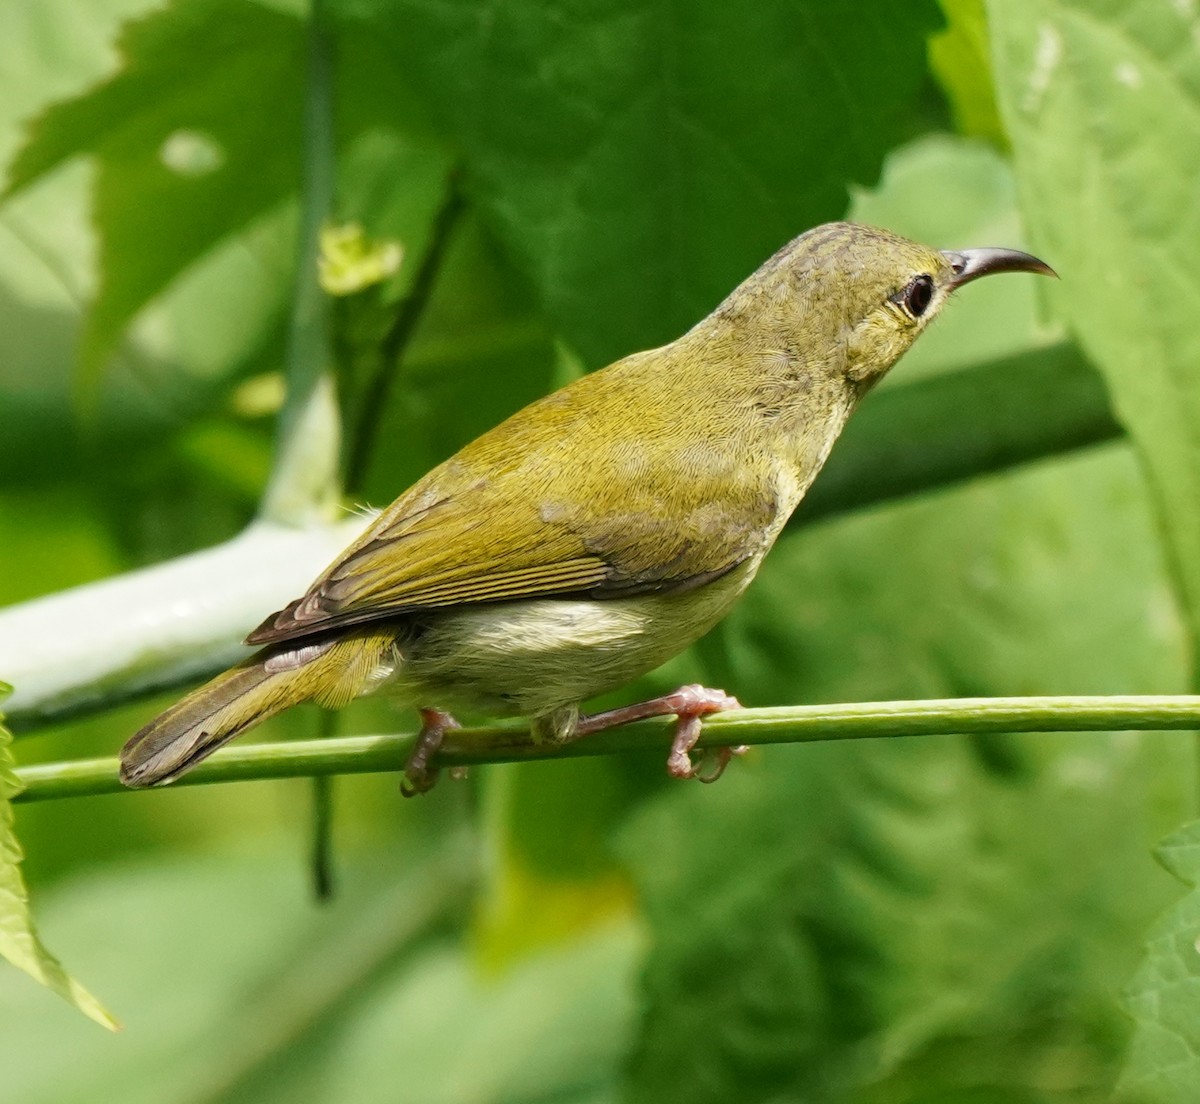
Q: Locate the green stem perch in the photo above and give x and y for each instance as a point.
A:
(509, 742)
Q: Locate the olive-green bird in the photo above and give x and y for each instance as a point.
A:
(599, 531)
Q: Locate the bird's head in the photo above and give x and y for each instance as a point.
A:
(860, 296)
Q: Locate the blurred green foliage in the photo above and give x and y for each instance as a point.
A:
(906, 922)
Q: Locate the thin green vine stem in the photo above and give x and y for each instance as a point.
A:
(510, 742)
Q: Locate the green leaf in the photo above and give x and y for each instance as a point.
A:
(19, 942)
(1164, 996)
(181, 162)
(51, 49)
(639, 159)
(1102, 103)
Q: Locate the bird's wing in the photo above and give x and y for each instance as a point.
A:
(501, 521)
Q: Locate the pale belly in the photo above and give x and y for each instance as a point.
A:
(538, 657)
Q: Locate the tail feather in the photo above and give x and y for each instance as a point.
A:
(331, 672)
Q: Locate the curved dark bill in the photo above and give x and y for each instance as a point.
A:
(970, 264)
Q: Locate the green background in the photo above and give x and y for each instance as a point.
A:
(945, 919)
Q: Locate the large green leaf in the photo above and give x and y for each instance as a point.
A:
(1101, 99)
(181, 160)
(639, 158)
(1164, 1058)
(183, 167)
(19, 942)
(51, 49)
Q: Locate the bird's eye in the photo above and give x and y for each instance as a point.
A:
(918, 295)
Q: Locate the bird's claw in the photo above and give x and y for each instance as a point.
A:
(689, 704)
(421, 772)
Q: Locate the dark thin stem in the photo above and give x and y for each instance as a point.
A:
(510, 742)
(392, 348)
(321, 853)
(321, 846)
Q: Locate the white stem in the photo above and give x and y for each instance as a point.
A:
(156, 627)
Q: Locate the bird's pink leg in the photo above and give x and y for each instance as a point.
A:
(420, 773)
(688, 704)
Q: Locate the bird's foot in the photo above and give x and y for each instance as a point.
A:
(689, 704)
(420, 772)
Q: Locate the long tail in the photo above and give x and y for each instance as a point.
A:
(330, 672)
